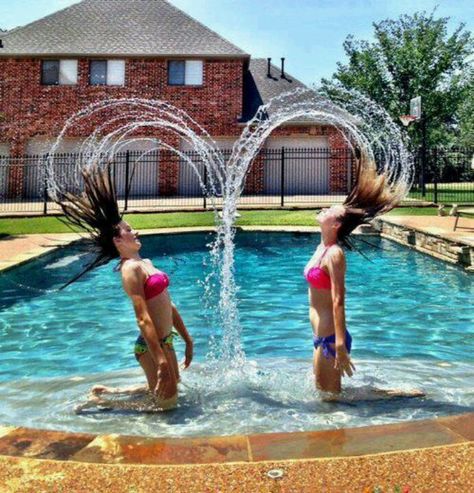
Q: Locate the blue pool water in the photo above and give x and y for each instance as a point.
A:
(410, 316)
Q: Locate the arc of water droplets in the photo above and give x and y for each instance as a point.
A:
(360, 122)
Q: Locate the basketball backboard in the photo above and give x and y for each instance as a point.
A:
(415, 107)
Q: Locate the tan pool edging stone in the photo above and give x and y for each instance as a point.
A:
(324, 444)
(430, 468)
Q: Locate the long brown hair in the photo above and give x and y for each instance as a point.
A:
(96, 211)
(371, 195)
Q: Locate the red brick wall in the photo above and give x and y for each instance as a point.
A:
(29, 109)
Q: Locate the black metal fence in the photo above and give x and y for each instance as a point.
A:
(160, 180)
(444, 176)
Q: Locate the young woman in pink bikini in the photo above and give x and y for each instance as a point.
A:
(96, 211)
(325, 274)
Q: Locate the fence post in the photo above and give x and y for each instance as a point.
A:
(205, 187)
(45, 191)
(435, 174)
(282, 184)
(423, 156)
(127, 177)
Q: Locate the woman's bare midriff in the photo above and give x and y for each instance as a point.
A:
(320, 312)
(159, 308)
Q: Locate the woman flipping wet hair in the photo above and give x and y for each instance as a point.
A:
(96, 210)
(325, 273)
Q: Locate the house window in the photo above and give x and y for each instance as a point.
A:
(107, 73)
(59, 72)
(185, 72)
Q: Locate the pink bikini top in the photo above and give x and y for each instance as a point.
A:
(155, 285)
(317, 277)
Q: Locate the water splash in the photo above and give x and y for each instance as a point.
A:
(360, 123)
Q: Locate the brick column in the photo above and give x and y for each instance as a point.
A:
(255, 176)
(339, 159)
(168, 171)
(16, 170)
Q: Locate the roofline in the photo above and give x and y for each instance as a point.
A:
(241, 55)
(115, 55)
(46, 16)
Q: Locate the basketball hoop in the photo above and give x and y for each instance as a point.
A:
(407, 119)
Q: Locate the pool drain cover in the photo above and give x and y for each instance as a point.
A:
(275, 473)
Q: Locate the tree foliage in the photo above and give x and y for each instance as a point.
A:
(415, 55)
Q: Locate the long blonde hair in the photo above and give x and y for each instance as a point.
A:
(371, 196)
(96, 211)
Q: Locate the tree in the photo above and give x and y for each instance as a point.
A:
(466, 114)
(414, 56)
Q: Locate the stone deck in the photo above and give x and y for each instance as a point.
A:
(420, 456)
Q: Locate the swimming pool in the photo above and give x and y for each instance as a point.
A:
(410, 315)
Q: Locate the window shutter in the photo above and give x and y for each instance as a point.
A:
(68, 72)
(116, 72)
(194, 75)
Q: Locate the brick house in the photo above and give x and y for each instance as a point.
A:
(97, 49)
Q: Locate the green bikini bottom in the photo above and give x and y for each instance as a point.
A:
(141, 345)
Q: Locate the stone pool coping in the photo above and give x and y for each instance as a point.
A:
(446, 469)
(344, 442)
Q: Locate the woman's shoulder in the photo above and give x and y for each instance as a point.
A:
(131, 267)
(335, 253)
(336, 249)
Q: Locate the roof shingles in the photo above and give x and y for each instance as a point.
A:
(120, 28)
(260, 89)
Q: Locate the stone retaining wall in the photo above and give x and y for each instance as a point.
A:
(429, 243)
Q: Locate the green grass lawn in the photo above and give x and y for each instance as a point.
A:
(32, 225)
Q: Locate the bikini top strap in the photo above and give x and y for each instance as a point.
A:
(324, 253)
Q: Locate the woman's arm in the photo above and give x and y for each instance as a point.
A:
(133, 282)
(337, 272)
(178, 324)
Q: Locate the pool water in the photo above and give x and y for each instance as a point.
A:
(410, 316)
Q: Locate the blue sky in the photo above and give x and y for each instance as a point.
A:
(309, 33)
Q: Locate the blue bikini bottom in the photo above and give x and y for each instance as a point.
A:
(325, 342)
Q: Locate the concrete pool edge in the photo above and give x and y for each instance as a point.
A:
(253, 448)
(437, 469)
(442, 244)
